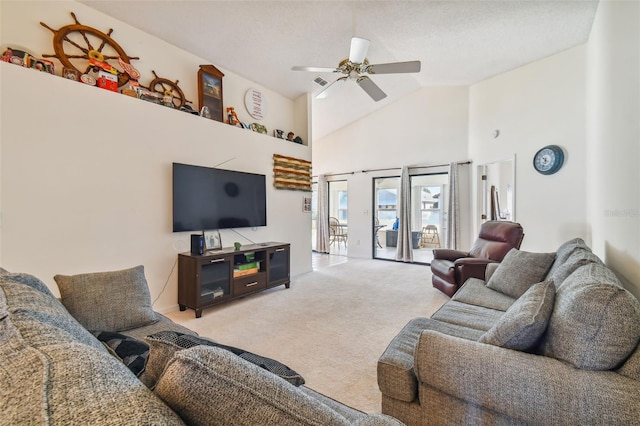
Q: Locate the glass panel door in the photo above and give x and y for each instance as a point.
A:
(314, 214)
(428, 207)
(385, 217)
(338, 217)
(428, 210)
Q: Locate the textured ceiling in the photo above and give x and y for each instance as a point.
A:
(458, 42)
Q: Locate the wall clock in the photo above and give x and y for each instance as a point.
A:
(548, 160)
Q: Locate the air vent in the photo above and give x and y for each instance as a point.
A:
(320, 81)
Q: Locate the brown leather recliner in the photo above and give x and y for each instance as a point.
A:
(451, 268)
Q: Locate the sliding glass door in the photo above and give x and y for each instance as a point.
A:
(428, 210)
(338, 217)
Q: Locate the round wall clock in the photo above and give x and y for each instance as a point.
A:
(548, 160)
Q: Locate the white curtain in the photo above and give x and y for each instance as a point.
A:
(404, 251)
(322, 221)
(453, 215)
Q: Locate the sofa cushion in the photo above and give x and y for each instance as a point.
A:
(475, 292)
(131, 352)
(631, 368)
(208, 385)
(163, 324)
(27, 279)
(41, 318)
(525, 321)
(64, 381)
(165, 344)
(396, 378)
(108, 301)
(470, 316)
(595, 323)
(578, 257)
(519, 270)
(565, 250)
(23, 374)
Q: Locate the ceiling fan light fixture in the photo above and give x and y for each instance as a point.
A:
(356, 65)
(358, 51)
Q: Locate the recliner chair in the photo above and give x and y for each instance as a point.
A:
(451, 268)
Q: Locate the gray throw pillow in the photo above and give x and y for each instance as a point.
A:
(211, 386)
(595, 323)
(108, 301)
(525, 321)
(165, 344)
(519, 270)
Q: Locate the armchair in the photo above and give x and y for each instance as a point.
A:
(451, 268)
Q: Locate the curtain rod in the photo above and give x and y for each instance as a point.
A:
(391, 168)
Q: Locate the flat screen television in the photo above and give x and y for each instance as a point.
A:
(206, 198)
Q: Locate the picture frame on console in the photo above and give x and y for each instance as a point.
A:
(212, 240)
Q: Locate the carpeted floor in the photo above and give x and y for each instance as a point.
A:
(330, 326)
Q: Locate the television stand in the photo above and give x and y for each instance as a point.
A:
(219, 276)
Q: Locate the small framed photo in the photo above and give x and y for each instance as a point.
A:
(212, 240)
(306, 204)
(278, 133)
(39, 64)
(70, 74)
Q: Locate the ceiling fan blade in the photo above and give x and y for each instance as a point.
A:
(313, 69)
(394, 67)
(358, 52)
(371, 88)
(325, 92)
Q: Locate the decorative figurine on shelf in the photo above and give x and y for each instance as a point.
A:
(131, 87)
(291, 137)
(204, 112)
(232, 118)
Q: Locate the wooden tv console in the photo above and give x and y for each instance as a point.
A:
(222, 275)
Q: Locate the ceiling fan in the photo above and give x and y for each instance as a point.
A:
(357, 65)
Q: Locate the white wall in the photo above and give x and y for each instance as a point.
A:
(613, 138)
(85, 181)
(539, 104)
(427, 127)
(21, 27)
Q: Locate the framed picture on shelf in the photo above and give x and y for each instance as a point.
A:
(210, 91)
(71, 74)
(212, 240)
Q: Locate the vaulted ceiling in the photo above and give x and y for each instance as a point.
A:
(458, 42)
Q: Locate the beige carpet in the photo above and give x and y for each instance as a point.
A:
(330, 326)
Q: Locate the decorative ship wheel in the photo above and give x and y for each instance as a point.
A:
(168, 87)
(84, 48)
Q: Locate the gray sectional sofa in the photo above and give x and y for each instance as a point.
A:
(54, 371)
(545, 339)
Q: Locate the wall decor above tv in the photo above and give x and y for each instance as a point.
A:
(291, 173)
(206, 198)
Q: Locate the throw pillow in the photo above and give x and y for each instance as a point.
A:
(595, 324)
(211, 386)
(164, 344)
(525, 321)
(108, 301)
(132, 352)
(519, 270)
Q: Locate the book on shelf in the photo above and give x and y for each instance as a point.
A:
(243, 272)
